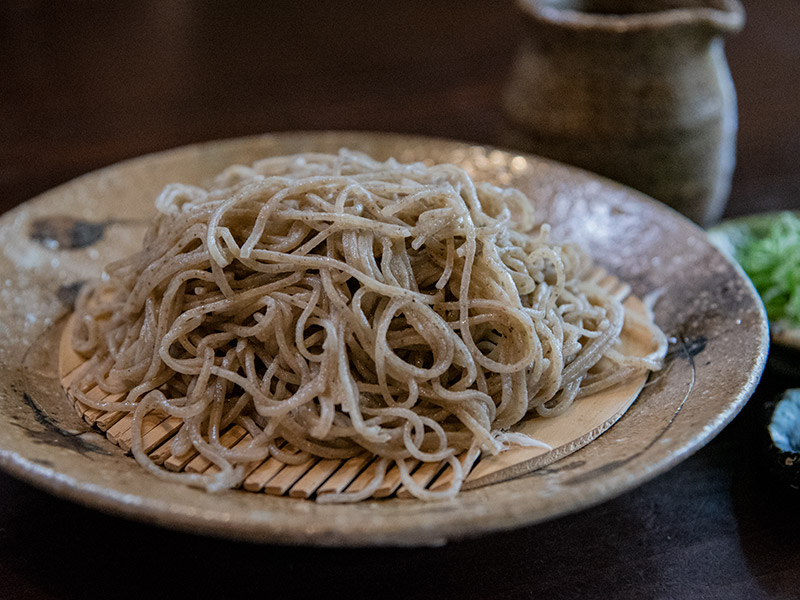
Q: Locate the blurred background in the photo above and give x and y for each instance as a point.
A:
(84, 84)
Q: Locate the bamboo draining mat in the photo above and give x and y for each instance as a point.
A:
(582, 423)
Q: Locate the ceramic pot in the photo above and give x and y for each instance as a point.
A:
(636, 90)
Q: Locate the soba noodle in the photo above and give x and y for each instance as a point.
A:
(333, 305)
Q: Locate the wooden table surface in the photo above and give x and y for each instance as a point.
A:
(84, 84)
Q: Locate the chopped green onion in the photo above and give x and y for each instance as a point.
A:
(772, 262)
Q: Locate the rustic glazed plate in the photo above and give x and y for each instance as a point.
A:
(52, 243)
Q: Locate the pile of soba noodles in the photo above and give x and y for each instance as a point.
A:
(333, 305)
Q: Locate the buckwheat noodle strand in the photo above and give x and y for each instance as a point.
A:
(333, 305)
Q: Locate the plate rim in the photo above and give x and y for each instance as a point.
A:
(151, 511)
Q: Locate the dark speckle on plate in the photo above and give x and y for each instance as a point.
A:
(53, 435)
(68, 294)
(66, 233)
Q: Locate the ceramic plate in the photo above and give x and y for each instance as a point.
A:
(52, 243)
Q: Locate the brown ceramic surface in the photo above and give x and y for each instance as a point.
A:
(636, 90)
(66, 235)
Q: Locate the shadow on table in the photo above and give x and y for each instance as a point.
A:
(768, 512)
(77, 553)
(706, 529)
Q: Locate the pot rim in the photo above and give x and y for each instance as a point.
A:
(728, 18)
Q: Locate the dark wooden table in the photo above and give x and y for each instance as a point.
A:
(85, 84)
